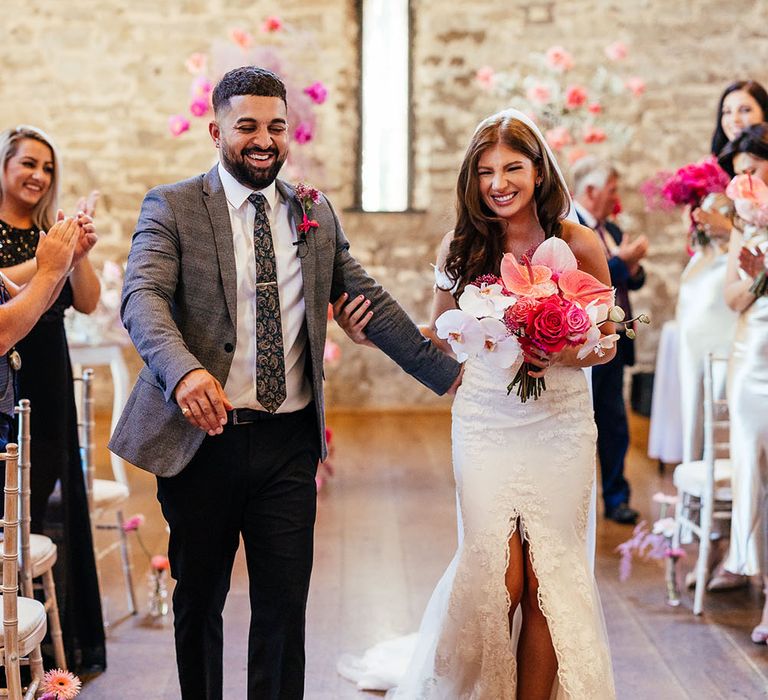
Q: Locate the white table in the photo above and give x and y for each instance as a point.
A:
(665, 438)
(85, 355)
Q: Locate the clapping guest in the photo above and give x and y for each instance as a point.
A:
(705, 323)
(748, 378)
(595, 191)
(29, 182)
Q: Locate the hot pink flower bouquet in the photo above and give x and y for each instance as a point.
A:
(687, 186)
(544, 302)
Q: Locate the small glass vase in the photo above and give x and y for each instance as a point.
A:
(158, 594)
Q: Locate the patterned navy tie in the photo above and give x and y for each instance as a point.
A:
(270, 358)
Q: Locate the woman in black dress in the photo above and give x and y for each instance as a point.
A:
(28, 200)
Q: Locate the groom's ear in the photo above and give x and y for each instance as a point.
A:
(215, 132)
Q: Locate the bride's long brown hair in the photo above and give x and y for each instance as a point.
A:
(478, 239)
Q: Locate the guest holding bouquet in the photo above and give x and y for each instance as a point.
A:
(29, 182)
(705, 323)
(745, 293)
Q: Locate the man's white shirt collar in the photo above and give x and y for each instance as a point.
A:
(237, 193)
(589, 220)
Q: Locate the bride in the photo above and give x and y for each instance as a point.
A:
(517, 613)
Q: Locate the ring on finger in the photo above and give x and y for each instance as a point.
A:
(185, 411)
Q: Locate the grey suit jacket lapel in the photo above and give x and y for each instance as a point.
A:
(308, 262)
(216, 203)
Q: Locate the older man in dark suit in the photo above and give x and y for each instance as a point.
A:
(595, 191)
(226, 296)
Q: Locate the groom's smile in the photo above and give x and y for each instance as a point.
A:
(251, 133)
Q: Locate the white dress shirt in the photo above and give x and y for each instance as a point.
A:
(240, 387)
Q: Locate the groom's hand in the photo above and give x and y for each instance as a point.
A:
(353, 317)
(202, 401)
(456, 382)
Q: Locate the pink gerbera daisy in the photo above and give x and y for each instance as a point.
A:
(61, 685)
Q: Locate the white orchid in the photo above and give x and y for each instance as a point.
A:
(463, 332)
(502, 349)
(486, 300)
(597, 342)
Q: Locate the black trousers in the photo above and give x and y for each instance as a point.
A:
(612, 430)
(256, 480)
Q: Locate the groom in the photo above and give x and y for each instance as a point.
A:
(226, 295)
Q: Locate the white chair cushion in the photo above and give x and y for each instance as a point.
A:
(40, 547)
(107, 493)
(691, 478)
(32, 620)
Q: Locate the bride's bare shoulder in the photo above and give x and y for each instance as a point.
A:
(582, 240)
(442, 250)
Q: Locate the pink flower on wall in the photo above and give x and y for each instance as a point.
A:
(575, 96)
(303, 133)
(558, 138)
(177, 124)
(559, 59)
(271, 25)
(635, 85)
(486, 77)
(594, 134)
(196, 63)
(317, 92)
(331, 353)
(594, 108)
(538, 93)
(617, 51)
(242, 38)
(199, 107)
(575, 154)
(201, 88)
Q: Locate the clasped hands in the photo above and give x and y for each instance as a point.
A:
(67, 242)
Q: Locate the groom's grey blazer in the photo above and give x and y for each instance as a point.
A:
(179, 306)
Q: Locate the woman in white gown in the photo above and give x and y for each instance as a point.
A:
(748, 381)
(517, 613)
(705, 323)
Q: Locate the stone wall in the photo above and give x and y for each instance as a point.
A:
(102, 77)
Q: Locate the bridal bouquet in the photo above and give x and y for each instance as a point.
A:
(750, 198)
(545, 302)
(694, 185)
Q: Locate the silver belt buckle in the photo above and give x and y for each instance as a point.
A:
(234, 416)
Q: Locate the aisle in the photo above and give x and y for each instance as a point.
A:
(386, 530)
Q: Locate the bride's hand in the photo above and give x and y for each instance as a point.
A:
(352, 317)
(538, 358)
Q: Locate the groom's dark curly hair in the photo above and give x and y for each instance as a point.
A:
(247, 80)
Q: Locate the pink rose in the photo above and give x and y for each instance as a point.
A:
(559, 59)
(578, 323)
(558, 138)
(303, 133)
(317, 92)
(575, 96)
(196, 63)
(538, 93)
(635, 85)
(516, 316)
(594, 134)
(575, 154)
(199, 107)
(240, 37)
(616, 51)
(547, 325)
(177, 124)
(272, 24)
(486, 76)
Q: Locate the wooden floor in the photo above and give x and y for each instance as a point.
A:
(385, 533)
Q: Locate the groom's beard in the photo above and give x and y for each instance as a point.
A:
(246, 172)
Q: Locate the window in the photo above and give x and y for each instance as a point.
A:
(385, 161)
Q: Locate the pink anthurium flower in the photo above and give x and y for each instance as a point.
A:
(583, 288)
(527, 279)
(556, 254)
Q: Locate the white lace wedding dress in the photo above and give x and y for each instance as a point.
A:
(530, 463)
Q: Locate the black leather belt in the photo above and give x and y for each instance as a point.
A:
(243, 416)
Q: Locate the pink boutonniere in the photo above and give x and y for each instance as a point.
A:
(307, 196)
